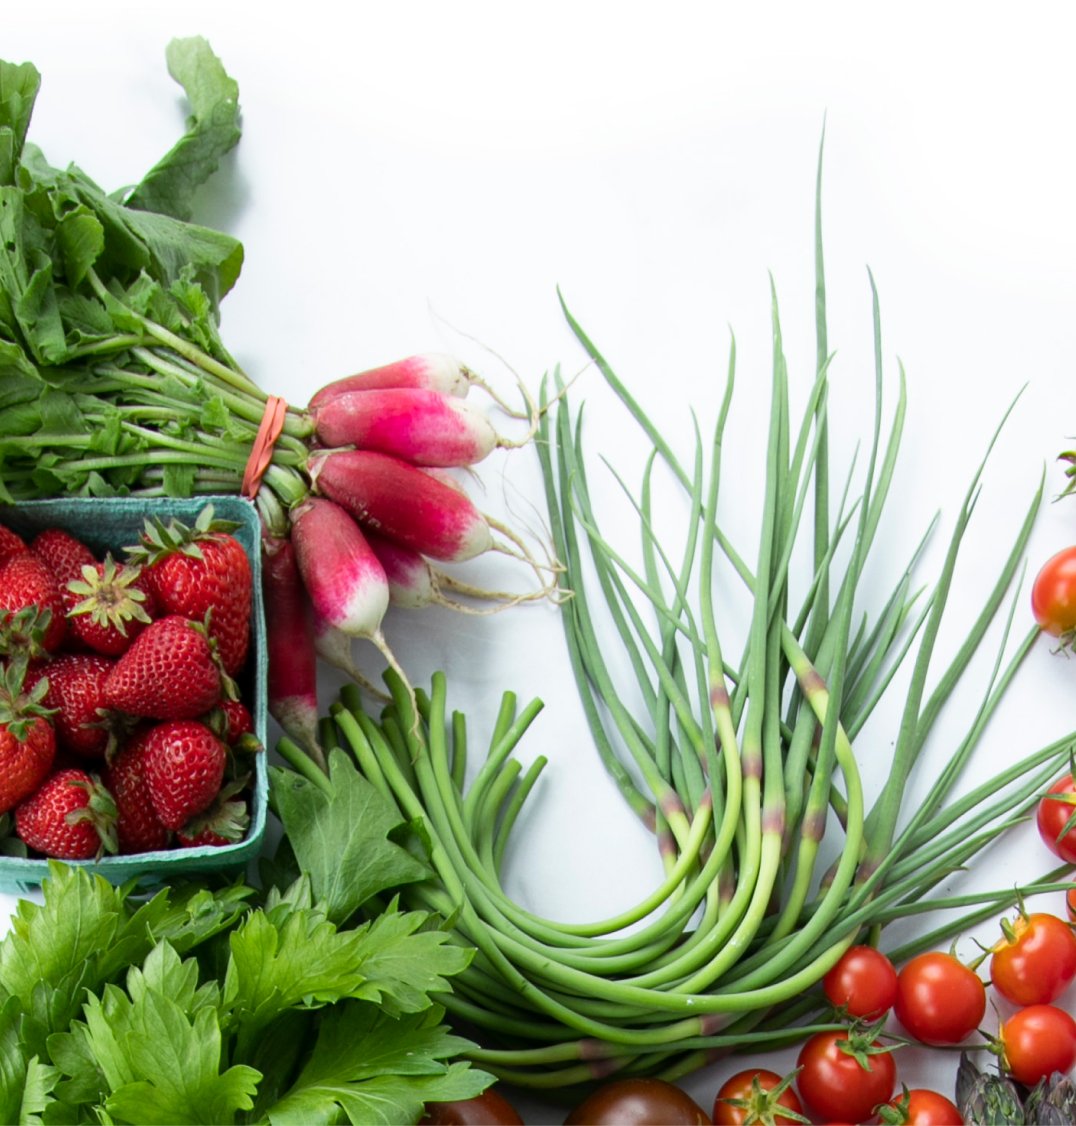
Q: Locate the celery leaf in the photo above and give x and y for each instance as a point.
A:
(343, 839)
(377, 1069)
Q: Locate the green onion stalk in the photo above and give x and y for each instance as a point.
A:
(743, 764)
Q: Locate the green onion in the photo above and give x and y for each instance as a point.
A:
(744, 767)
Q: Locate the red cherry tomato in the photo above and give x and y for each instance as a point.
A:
(1036, 962)
(638, 1102)
(748, 1097)
(862, 984)
(1053, 594)
(1038, 1041)
(833, 1083)
(939, 999)
(1055, 809)
(921, 1107)
(490, 1108)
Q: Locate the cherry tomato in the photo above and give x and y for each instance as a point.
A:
(1053, 594)
(490, 1108)
(1037, 1041)
(1055, 809)
(1070, 903)
(921, 1107)
(1036, 961)
(638, 1102)
(748, 1097)
(939, 999)
(835, 1085)
(863, 983)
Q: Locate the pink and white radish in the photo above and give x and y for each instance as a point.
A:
(420, 426)
(346, 584)
(415, 583)
(430, 371)
(292, 675)
(402, 503)
(409, 575)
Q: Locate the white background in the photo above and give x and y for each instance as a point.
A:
(417, 177)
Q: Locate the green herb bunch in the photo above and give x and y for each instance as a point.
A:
(226, 1004)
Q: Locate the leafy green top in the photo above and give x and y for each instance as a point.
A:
(113, 375)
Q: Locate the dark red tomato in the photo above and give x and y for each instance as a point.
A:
(1036, 960)
(1053, 594)
(490, 1108)
(833, 1083)
(754, 1095)
(638, 1102)
(1037, 1041)
(939, 999)
(921, 1107)
(1056, 807)
(863, 983)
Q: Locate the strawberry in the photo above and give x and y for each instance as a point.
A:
(64, 554)
(169, 672)
(27, 740)
(76, 684)
(107, 607)
(26, 583)
(10, 543)
(71, 816)
(201, 571)
(183, 765)
(138, 828)
(224, 822)
(232, 721)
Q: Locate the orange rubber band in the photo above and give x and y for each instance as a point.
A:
(261, 453)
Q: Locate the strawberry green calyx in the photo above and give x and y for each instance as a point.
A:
(99, 811)
(19, 707)
(160, 539)
(224, 822)
(109, 597)
(23, 632)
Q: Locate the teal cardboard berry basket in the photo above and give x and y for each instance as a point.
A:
(112, 524)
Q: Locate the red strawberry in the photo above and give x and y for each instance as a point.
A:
(76, 684)
(26, 583)
(199, 571)
(107, 607)
(64, 554)
(138, 828)
(224, 822)
(183, 765)
(10, 543)
(169, 672)
(232, 721)
(27, 740)
(70, 816)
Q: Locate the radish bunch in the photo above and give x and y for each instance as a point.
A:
(379, 515)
